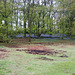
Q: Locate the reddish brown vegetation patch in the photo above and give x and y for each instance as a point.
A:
(44, 43)
(41, 50)
(3, 50)
(38, 47)
(12, 46)
(3, 53)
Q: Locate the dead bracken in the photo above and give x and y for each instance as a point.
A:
(41, 50)
(3, 50)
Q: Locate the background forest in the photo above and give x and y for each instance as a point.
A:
(36, 17)
(37, 37)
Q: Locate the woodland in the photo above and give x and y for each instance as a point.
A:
(37, 37)
(36, 17)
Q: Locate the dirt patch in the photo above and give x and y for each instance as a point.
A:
(20, 49)
(41, 50)
(12, 46)
(3, 50)
(44, 58)
(62, 47)
(64, 56)
(38, 47)
(3, 53)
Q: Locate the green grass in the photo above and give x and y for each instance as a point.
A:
(3, 67)
(53, 40)
(21, 63)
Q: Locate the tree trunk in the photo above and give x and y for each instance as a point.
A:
(24, 28)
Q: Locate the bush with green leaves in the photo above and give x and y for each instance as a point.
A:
(3, 36)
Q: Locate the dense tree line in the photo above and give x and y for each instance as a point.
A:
(66, 20)
(37, 17)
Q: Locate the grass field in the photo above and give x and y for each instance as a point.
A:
(13, 62)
